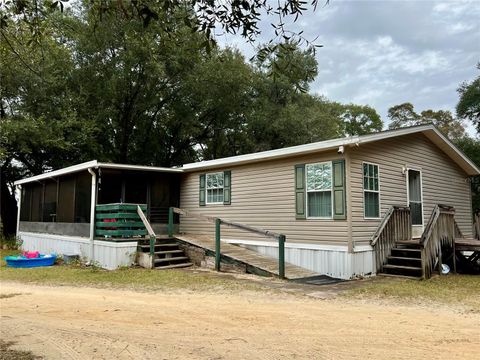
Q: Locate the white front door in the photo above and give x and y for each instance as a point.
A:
(415, 201)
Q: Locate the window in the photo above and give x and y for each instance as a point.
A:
(215, 188)
(371, 192)
(319, 190)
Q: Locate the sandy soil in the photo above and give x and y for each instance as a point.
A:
(85, 323)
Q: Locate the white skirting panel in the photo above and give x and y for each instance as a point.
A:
(334, 261)
(108, 255)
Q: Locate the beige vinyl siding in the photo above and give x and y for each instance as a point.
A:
(263, 195)
(443, 181)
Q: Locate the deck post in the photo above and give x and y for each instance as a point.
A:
(93, 200)
(153, 240)
(440, 263)
(281, 256)
(170, 221)
(217, 244)
(18, 191)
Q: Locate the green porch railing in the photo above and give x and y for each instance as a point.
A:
(281, 238)
(119, 220)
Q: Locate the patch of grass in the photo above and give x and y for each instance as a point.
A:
(9, 354)
(450, 289)
(128, 278)
(4, 253)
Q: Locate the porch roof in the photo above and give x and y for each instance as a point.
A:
(94, 164)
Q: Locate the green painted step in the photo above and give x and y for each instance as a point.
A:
(118, 216)
(119, 224)
(112, 207)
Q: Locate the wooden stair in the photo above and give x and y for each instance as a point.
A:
(167, 254)
(405, 260)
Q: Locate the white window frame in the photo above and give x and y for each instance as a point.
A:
(373, 191)
(307, 191)
(206, 188)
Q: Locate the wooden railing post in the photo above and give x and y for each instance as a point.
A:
(170, 222)
(281, 256)
(217, 244)
(152, 248)
(151, 233)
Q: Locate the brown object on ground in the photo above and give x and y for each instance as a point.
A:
(85, 323)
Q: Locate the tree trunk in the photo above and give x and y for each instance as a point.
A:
(8, 205)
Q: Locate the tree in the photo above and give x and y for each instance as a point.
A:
(117, 90)
(468, 106)
(471, 148)
(404, 115)
(202, 16)
(360, 120)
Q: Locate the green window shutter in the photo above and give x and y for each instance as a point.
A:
(201, 193)
(227, 187)
(300, 192)
(339, 203)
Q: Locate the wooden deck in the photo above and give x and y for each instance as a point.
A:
(467, 245)
(461, 244)
(247, 257)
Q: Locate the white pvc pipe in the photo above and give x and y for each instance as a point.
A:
(92, 213)
(18, 189)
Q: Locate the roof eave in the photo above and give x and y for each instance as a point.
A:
(95, 165)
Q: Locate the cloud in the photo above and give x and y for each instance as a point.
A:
(383, 53)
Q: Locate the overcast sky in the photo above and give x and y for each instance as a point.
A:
(384, 53)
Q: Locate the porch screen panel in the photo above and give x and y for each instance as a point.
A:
(110, 188)
(136, 188)
(82, 197)
(50, 201)
(26, 205)
(159, 199)
(37, 203)
(66, 199)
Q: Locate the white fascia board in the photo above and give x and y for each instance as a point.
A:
(305, 149)
(138, 167)
(59, 172)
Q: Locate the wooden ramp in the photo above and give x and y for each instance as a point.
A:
(255, 262)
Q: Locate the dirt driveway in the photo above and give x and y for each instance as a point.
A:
(86, 323)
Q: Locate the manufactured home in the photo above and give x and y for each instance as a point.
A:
(345, 207)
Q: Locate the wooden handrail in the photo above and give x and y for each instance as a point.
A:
(440, 230)
(145, 222)
(427, 232)
(229, 223)
(382, 225)
(395, 225)
(151, 233)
